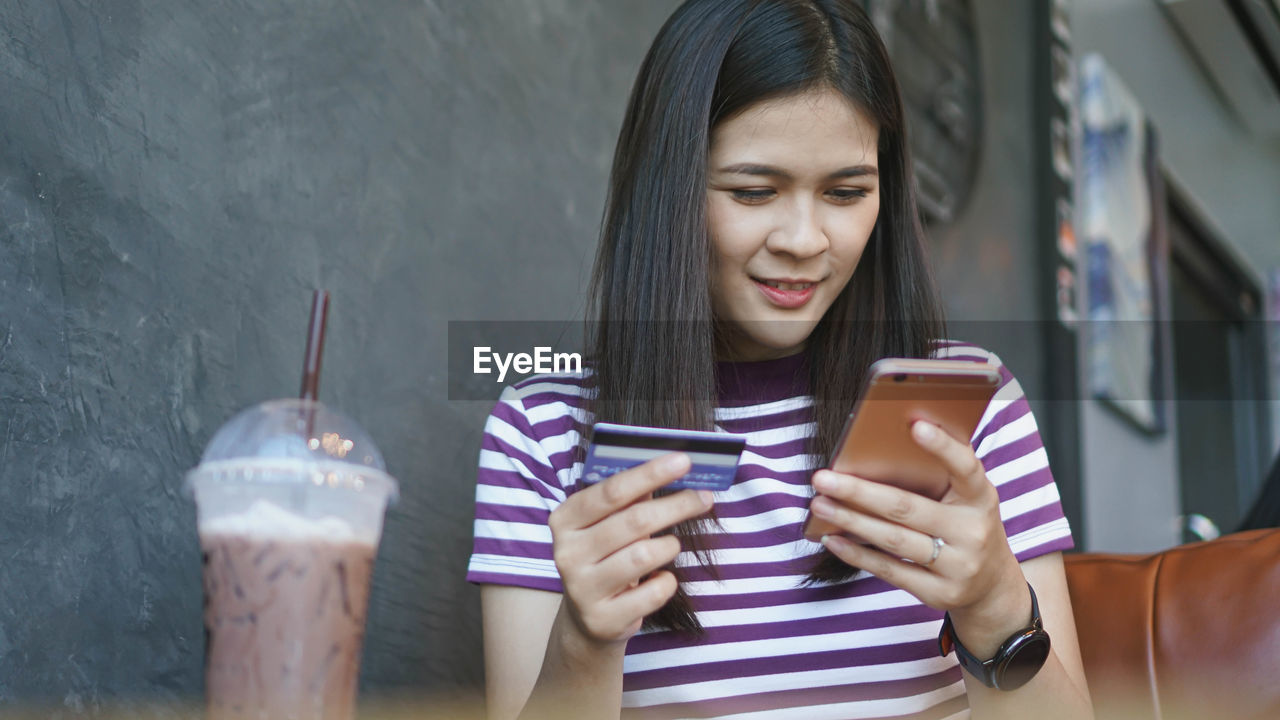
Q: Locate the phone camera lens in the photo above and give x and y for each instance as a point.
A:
(900, 377)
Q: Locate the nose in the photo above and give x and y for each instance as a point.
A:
(799, 232)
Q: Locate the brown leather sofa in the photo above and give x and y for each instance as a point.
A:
(1190, 632)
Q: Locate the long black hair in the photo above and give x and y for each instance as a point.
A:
(655, 336)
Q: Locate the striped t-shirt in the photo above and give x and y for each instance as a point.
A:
(772, 648)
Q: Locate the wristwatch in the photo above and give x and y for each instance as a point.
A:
(1016, 662)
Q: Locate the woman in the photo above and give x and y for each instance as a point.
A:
(760, 249)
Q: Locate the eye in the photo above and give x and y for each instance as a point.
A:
(847, 194)
(753, 195)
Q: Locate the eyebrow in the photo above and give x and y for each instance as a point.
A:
(771, 171)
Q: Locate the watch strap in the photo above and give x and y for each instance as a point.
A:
(990, 672)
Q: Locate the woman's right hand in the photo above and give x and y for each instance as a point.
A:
(603, 545)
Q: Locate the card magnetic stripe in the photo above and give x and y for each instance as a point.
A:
(659, 444)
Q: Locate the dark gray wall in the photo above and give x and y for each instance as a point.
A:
(175, 177)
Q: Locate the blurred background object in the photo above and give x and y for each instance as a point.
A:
(1265, 512)
(1182, 634)
(1219, 383)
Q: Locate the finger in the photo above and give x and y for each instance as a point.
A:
(643, 600)
(621, 616)
(598, 501)
(968, 478)
(629, 566)
(645, 518)
(894, 504)
(892, 538)
(928, 587)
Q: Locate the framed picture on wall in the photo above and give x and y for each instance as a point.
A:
(1273, 352)
(1126, 247)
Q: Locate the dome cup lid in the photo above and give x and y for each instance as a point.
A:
(283, 440)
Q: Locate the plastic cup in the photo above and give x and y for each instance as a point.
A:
(290, 498)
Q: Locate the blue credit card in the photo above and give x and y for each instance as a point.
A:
(617, 447)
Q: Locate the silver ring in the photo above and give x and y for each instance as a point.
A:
(937, 550)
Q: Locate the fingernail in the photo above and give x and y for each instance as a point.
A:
(675, 463)
(706, 497)
(832, 542)
(924, 431)
(823, 481)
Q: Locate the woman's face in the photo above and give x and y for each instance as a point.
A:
(792, 196)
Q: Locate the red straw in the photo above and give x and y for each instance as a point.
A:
(315, 345)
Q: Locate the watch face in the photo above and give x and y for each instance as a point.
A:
(1023, 659)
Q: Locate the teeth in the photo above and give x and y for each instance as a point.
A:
(787, 286)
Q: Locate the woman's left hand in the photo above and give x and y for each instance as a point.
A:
(951, 553)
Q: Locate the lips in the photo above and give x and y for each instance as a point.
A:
(788, 294)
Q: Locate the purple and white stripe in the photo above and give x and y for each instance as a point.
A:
(772, 647)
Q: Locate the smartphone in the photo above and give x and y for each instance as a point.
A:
(876, 442)
(615, 447)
